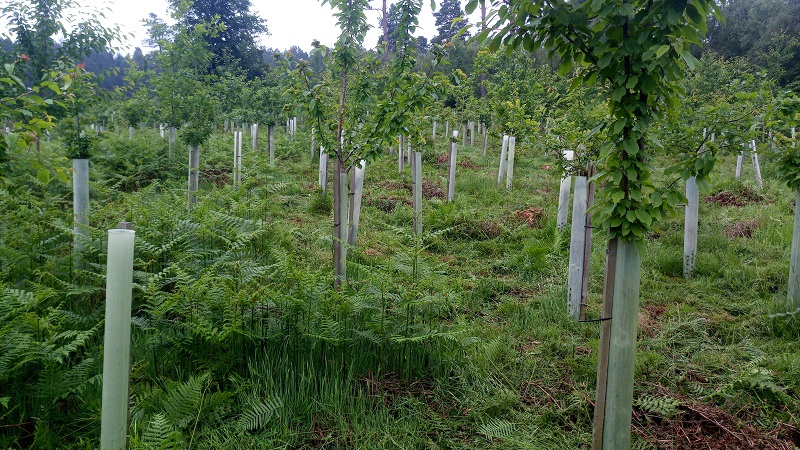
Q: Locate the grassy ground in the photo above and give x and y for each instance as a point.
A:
(459, 339)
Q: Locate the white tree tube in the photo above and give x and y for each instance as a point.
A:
(194, 173)
(503, 156)
(447, 128)
(434, 130)
(756, 165)
(510, 170)
(254, 135)
(691, 218)
(117, 341)
(417, 166)
(356, 192)
(472, 134)
(171, 143)
(485, 141)
(343, 229)
(794, 262)
(401, 156)
(323, 169)
(313, 145)
(576, 248)
(80, 202)
(271, 144)
(130, 133)
(739, 162)
(617, 403)
(451, 173)
(563, 193)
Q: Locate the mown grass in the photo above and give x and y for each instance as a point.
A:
(456, 340)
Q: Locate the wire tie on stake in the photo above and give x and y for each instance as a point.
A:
(602, 319)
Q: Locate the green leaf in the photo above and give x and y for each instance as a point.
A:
(564, 67)
(644, 217)
(43, 175)
(617, 196)
(690, 60)
(656, 200)
(618, 94)
(630, 146)
(661, 50)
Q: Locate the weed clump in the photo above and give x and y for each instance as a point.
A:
(320, 204)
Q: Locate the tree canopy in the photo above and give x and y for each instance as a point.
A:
(235, 42)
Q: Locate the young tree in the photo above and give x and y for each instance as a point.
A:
(353, 113)
(46, 34)
(640, 50)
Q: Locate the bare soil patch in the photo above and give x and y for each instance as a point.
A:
(533, 216)
(742, 229)
(742, 197)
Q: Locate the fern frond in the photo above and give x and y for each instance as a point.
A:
(666, 407)
(497, 429)
(259, 413)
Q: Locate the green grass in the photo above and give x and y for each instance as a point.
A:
(459, 339)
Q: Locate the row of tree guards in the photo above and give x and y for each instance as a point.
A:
(611, 374)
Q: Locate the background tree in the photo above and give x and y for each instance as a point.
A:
(184, 81)
(235, 41)
(391, 29)
(766, 32)
(449, 11)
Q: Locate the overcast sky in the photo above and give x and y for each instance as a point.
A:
(290, 22)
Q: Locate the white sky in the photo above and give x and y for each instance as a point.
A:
(290, 22)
